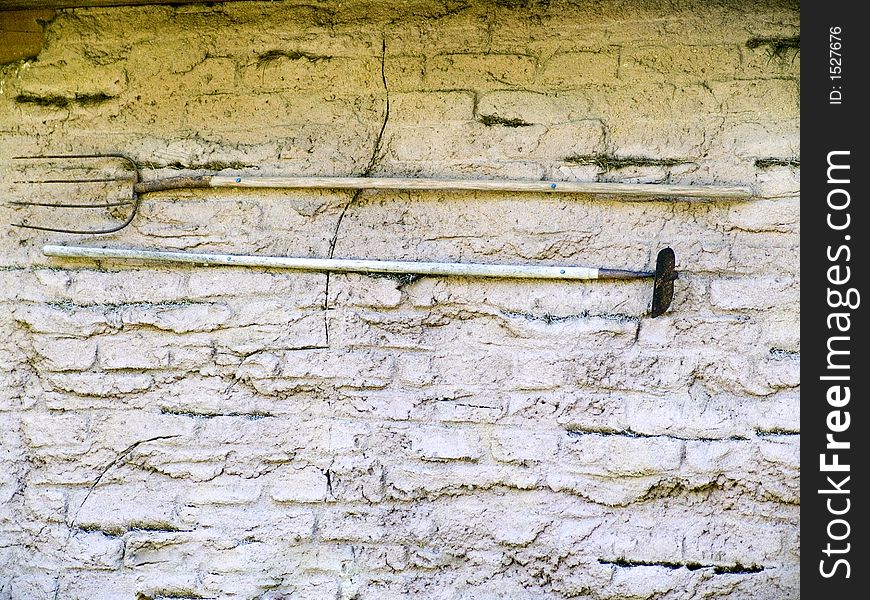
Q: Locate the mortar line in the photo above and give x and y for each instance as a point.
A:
(557, 431)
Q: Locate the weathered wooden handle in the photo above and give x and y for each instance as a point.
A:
(494, 185)
(634, 190)
(344, 265)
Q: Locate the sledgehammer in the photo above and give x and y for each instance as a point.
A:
(663, 277)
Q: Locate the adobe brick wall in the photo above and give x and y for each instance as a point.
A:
(206, 433)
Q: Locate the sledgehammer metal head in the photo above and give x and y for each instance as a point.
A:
(663, 281)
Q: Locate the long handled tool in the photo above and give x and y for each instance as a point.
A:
(113, 182)
(663, 277)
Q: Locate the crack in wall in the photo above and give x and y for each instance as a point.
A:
(138, 525)
(172, 593)
(603, 431)
(768, 163)
(273, 55)
(777, 47)
(121, 456)
(58, 101)
(773, 431)
(609, 162)
(373, 160)
(551, 319)
(736, 568)
(252, 416)
(497, 121)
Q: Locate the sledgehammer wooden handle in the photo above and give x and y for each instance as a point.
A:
(663, 277)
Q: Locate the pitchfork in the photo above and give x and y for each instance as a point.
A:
(116, 180)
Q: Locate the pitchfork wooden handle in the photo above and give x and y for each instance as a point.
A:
(118, 178)
(640, 190)
(173, 183)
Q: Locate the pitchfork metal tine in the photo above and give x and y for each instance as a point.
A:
(107, 155)
(134, 199)
(55, 205)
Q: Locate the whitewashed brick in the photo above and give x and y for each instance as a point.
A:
(521, 447)
(436, 444)
(305, 484)
(754, 293)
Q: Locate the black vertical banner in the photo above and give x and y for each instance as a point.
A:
(835, 227)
